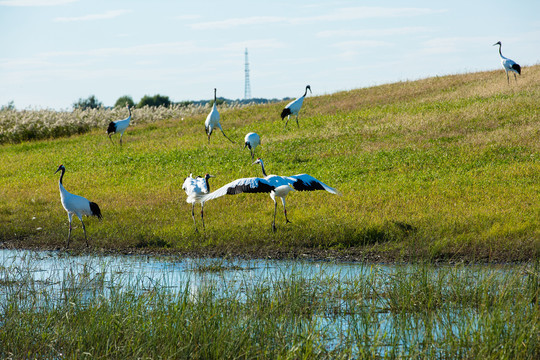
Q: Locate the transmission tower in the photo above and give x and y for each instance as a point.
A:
(247, 87)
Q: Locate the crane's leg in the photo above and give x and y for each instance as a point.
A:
(121, 138)
(193, 216)
(69, 234)
(202, 216)
(285, 211)
(274, 222)
(251, 151)
(84, 229)
(226, 135)
(110, 138)
(507, 78)
(515, 77)
(286, 122)
(297, 121)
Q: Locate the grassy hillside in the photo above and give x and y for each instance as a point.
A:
(446, 167)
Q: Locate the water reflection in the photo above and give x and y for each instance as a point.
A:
(56, 271)
(403, 306)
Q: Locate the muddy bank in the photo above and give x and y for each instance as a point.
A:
(372, 254)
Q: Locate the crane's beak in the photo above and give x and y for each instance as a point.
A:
(57, 170)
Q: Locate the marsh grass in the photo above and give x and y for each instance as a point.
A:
(441, 168)
(24, 125)
(415, 311)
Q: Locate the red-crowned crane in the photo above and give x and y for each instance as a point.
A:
(75, 204)
(119, 126)
(293, 108)
(195, 189)
(252, 140)
(212, 121)
(508, 64)
(277, 186)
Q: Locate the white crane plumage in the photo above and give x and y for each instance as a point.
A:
(277, 186)
(119, 126)
(75, 204)
(195, 188)
(212, 121)
(508, 64)
(293, 108)
(252, 140)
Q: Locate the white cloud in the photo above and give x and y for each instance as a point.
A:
(234, 22)
(373, 32)
(35, 2)
(343, 14)
(253, 44)
(138, 50)
(187, 17)
(453, 45)
(360, 44)
(160, 49)
(111, 14)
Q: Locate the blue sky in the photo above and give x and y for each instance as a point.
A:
(54, 52)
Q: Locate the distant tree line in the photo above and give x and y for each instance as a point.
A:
(160, 100)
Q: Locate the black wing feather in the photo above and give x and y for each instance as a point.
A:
(300, 185)
(246, 188)
(111, 128)
(285, 112)
(95, 210)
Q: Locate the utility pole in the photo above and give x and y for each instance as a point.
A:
(247, 87)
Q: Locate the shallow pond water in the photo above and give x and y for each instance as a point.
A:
(393, 305)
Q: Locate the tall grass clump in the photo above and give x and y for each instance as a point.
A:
(416, 311)
(24, 125)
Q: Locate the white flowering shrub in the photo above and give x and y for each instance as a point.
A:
(25, 125)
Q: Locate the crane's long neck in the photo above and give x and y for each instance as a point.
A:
(61, 177)
(262, 167)
(215, 98)
(500, 51)
(207, 183)
(129, 110)
(63, 191)
(305, 93)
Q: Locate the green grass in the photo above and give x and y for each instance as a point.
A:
(421, 311)
(441, 168)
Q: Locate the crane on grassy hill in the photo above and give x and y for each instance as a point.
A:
(195, 189)
(119, 126)
(508, 64)
(75, 204)
(293, 108)
(252, 140)
(277, 186)
(212, 120)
